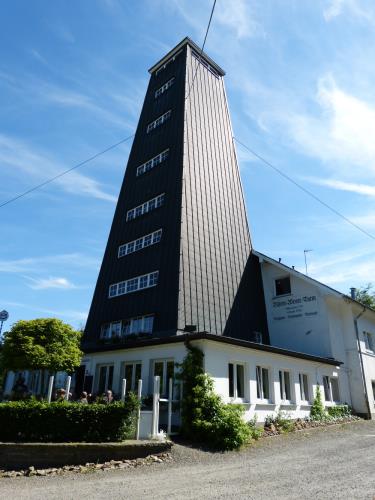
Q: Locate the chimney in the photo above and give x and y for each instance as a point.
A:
(353, 292)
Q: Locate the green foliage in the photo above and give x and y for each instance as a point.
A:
(205, 418)
(339, 411)
(366, 296)
(35, 421)
(317, 410)
(255, 432)
(41, 344)
(281, 421)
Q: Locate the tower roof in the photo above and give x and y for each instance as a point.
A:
(180, 46)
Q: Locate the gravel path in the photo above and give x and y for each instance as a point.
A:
(335, 462)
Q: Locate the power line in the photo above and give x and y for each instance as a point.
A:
(202, 49)
(48, 181)
(306, 191)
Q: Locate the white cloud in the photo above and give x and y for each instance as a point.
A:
(236, 16)
(51, 282)
(70, 314)
(38, 56)
(356, 8)
(363, 189)
(342, 132)
(334, 9)
(39, 166)
(39, 264)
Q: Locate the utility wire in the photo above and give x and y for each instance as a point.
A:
(48, 181)
(202, 49)
(306, 191)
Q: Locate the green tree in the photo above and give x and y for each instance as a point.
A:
(317, 410)
(41, 344)
(366, 296)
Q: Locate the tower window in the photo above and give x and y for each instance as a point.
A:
(139, 324)
(134, 284)
(164, 87)
(282, 286)
(146, 207)
(159, 121)
(171, 60)
(144, 241)
(150, 164)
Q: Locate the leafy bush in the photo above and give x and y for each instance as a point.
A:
(281, 421)
(317, 410)
(255, 432)
(205, 418)
(339, 411)
(34, 421)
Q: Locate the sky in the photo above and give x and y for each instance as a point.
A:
(300, 79)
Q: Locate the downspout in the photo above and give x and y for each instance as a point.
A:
(361, 361)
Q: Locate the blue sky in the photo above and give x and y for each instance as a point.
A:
(300, 83)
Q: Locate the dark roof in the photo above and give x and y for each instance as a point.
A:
(186, 41)
(133, 344)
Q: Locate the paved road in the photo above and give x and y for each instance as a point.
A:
(332, 463)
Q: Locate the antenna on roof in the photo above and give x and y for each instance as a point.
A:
(305, 252)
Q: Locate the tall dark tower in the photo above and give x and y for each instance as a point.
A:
(179, 249)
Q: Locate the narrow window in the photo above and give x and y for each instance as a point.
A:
(285, 392)
(150, 164)
(282, 286)
(165, 370)
(105, 378)
(369, 341)
(331, 389)
(146, 207)
(164, 87)
(143, 242)
(133, 373)
(159, 121)
(373, 390)
(134, 284)
(231, 380)
(263, 386)
(304, 387)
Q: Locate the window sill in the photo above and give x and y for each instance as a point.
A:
(264, 403)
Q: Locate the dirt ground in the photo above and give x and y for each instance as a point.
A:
(336, 462)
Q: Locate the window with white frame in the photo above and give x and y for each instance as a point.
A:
(132, 374)
(164, 87)
(369, 341)
(263, 383)
(139, 324)
(304, 387)
(236, 377)
(285, 390)
(331, 389)
(159, 121)
(282, 286)
(146, 207)
(164, 368)
(133, 284)
(140, 243)
(171, 60)
(153, 162)
(105, 378)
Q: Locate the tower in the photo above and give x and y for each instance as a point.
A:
(179, 252)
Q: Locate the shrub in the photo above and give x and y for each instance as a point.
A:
(281, 421)
(34, 421)
(205, 418)
(339, 411)
(255, 432)
(317, 410)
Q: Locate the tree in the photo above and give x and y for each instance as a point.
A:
(41, 344)
(366, 296)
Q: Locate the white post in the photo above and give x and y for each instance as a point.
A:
(50, 387)
(67, 387)
(139, 395)
(155, 407)
(170, 397)
(123, 390)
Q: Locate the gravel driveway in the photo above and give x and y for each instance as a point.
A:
(329, 463)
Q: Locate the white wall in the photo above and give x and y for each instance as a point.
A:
(366, 323)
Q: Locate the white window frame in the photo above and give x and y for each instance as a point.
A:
(329, 387)
(167, 85)
(286, 276)
(97, 382)
(282, 383)
(302, 391)
(159, 121)
(133, 284)
(235, 395)
(107, 327)
(369, 341)
(146, 207)
(164, 383)
(152, 163)
(261, 382)
(172, 59)
(133, 386)
(131, 246)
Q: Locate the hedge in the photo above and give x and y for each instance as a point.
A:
(34, 421)
(339, 411)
